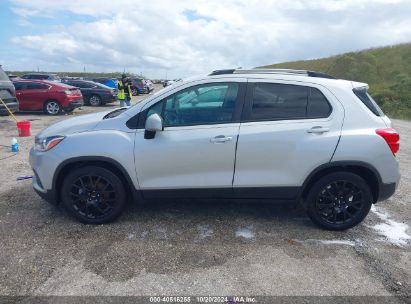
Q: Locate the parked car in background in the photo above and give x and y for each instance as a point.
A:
(138, 86)
(149, 85)
(42, 76)
(50, 97)
(7, 94)
(112, 83)
(94, 94)
(168, 83)
(12, 77)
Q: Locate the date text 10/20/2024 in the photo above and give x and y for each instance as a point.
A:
(202, 299)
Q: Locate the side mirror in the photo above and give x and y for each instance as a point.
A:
(154, 123)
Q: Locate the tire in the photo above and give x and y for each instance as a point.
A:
(95, 100)
(134, 92)
(93, 195)
(52, 107)
(339, 201)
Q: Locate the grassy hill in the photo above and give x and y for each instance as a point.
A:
(387, 70)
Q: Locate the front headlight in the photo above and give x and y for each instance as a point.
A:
(45, 144)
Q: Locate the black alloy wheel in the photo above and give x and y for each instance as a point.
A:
(93, 195)
(339, 201)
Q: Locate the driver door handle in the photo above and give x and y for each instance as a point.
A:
(220, 139)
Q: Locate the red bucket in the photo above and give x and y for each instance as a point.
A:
(24, 128)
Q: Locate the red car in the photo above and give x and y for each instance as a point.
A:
(50, 97)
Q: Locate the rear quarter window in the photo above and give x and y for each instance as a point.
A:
(368, 101)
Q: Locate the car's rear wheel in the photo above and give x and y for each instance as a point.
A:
(339, 201)
(95, 100)
(52, 107)
(93, 195)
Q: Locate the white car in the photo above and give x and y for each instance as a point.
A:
(281, 135)
(149, 85)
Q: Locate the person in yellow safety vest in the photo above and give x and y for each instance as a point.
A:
(124, 91)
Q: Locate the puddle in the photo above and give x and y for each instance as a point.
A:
(246, 233)
(394, 232)
(204, 231)
(327, 242)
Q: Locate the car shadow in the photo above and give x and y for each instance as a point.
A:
(221, 209)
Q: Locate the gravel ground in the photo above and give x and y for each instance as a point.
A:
(196, 247)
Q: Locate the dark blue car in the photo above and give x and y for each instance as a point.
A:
(106, 81)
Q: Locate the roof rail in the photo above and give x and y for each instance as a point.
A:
(272, 71)
(222, 72)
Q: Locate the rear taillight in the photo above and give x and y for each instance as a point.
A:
(391, 137)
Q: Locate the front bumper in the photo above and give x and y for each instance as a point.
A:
(44, 164)
(109, 98)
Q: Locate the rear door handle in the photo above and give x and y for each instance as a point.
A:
(318, 130)
(221, 139)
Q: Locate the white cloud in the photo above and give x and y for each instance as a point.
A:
(156, 36)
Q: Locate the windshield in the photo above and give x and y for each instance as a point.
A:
(150, 97)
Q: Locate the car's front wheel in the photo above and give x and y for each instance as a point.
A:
(93, 195)
(339, 201)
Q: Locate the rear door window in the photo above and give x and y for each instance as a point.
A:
(318, 105)
(276, 101)
(272, 101)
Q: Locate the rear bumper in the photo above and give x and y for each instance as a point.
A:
(386, 191)
(75, 104)
(12, 105)
(109, 98)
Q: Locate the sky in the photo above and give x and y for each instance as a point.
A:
(173, 39)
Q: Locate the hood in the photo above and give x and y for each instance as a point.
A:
(74, 125)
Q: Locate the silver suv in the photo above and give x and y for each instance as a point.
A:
(282, 135)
